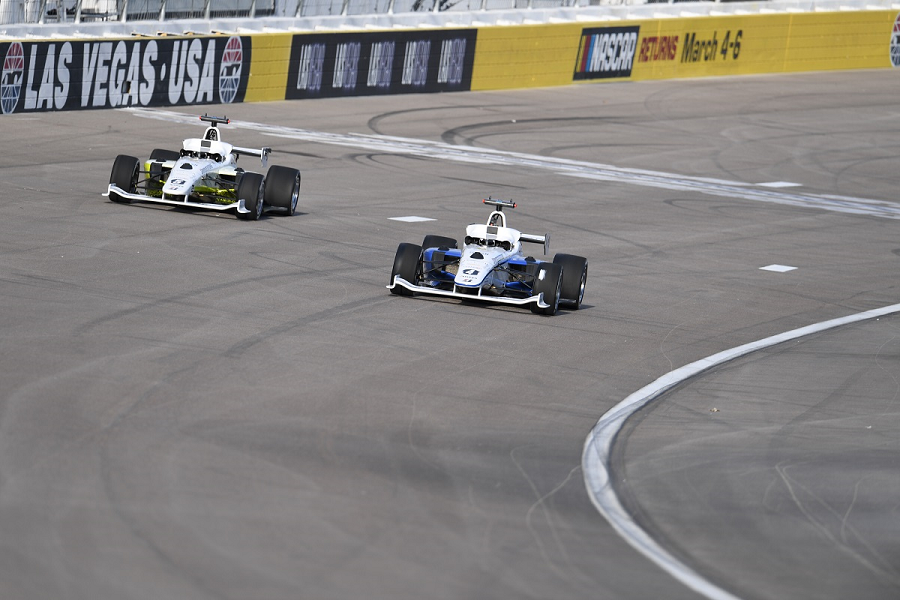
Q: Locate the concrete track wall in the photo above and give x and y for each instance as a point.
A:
(89, 72)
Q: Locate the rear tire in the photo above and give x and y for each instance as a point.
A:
(283, 188)
(574, 272)
(438, 241)
(163, 155)
(252, 189)
(548, 280)
(124, 175)
(408, 265)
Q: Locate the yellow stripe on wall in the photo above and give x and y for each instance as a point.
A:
(847, 40)
(525, 56)
(269, 67)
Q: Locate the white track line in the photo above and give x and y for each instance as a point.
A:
(598, 445)
(572, 168)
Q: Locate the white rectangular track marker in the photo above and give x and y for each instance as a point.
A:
(779, 184)
(411, 219)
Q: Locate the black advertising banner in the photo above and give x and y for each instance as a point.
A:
(362, 64)
(74, 75)
(606, 52)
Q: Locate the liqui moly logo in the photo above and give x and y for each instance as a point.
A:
(381, 63)
(309, 72)
(415, 63)
(453, 54)
(345, 66)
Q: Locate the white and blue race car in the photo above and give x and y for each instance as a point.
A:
(204, 174)
(490, 267)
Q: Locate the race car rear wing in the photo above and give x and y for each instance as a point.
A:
(537, 239)
(215, 120)
(262, 153)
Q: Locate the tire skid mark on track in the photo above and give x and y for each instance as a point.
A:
(131, 521)
(561, 166)
(143, 303)
(499, 127)
(375, 122)
(241, 347)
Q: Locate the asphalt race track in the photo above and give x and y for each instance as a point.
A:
(198, 407)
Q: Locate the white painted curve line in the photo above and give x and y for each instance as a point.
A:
(598, 445)
(572, 168)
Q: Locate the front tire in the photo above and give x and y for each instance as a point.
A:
(574, 272)
(438, 241)
(548, 280)
(162, 155)
(124, 175)
(408, 265)
(252, 189)
(283, 188)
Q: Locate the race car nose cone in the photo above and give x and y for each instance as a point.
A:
(473, 268)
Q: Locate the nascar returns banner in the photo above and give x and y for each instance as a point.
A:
(549, 55)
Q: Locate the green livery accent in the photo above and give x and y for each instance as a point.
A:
(154, 186)
(215, 195)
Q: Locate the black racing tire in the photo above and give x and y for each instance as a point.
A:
(438, 241)
(124, 175)
(252, 188)
(548, 279)
(283, 188)
(575, 269)
(408, 265)
(164, 155)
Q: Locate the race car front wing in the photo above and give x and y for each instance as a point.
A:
(539, 299)
(237, 204)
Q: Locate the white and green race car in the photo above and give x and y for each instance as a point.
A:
(205, 175)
